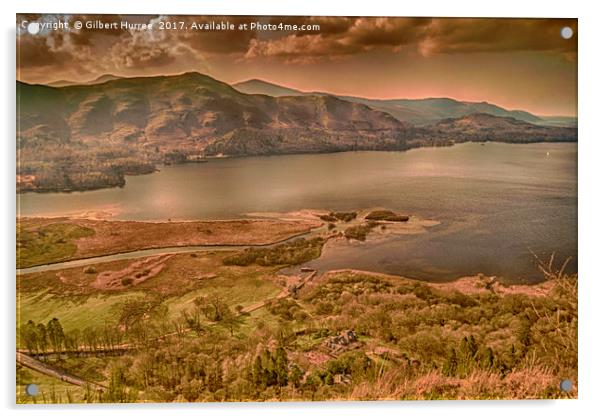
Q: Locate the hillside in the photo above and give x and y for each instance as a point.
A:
(189, 109)
(485, 127)
(414, 111)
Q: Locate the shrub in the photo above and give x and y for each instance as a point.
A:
(90, 270)
(344, 216)
(127, 281)
(291, 253)
(339, 216)
(359, 232)
(386, 215)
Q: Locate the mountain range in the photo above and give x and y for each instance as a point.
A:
(192, 110)
(81, 135)
(415, 111)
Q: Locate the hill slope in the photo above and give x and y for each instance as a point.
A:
(486, 127)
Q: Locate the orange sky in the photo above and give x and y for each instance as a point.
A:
(515, 63)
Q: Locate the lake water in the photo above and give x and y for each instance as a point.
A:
(496, 203)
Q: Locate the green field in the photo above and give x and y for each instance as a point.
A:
(51, 243)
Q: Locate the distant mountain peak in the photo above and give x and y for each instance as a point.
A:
(107, 75)
(103, 78)
(257, 81)
(257, 86)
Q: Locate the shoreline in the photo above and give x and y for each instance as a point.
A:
(472, 284)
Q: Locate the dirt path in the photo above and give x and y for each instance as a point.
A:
(38, 366)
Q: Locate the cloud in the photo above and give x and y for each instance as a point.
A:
(91, 51)
(35, 52)
(215, 42)
(339, 37)
(497, 35)
(426, 36)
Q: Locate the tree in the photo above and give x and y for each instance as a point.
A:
(451, 364)
(136, 316)
(42, 337)
(523, 333)
(56, 335)
(214, 309)
(192, 389)
(257, 373)
(215, 378)
(212, 306)
(132, 312)
(231, 320)
(90, 338)
(73, 340)
(29, 336)
(488, 359)
(193, 320)
(296, 375)
(111, 336)
(281, 366)
(467, 355)
(118, 390)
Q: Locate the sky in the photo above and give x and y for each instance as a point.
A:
(515, 63)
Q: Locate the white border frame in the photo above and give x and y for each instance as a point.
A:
(590, 152)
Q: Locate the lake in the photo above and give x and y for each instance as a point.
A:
(496, 202)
